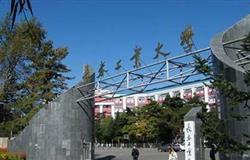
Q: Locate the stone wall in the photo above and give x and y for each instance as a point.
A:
(62, 130)
(224, 64)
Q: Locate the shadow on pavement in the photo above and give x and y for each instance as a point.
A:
(110, 157)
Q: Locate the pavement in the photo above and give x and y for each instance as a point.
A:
(113, 153)
(125, 154)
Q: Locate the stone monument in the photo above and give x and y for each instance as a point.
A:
(62, 130)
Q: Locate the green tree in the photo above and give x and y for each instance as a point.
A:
(149, 114)
(32, 72)
(154, 122)
(150, 123)
(98, 130)
(172, 118)
(120, 120)
(106, 126)
(87, 73)
(215, 134)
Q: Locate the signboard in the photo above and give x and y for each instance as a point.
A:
(189, 129)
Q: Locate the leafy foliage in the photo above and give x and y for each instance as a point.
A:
(214, 128)
(104, 129)
(10, 156)
(152, 122)
(246, 44)
(202, 65)
(32, 72)
(87, 73)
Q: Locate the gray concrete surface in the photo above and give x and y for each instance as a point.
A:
(59, 131)
(145, 154)
(224, 64)
(125, 154)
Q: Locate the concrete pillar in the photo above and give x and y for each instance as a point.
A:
(193, 91)
(101, 108)
(206, 94)
(156, 97)
(171, 93)
(181, 93)
(193, 137)
(113, 111)
(206, 97)
(124, 103)
(136, 100)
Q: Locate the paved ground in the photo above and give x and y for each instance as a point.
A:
(125, 154)
(145, 154)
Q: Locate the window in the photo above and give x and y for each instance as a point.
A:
(187, 93)
(142, 100)
(199, 91)
(130, 100)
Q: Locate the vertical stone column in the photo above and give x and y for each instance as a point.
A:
(193, 91)
(224, 64)
(193, 138)
(171, 93)
(136, 100)
(206, 97)
(156, 97)
(101, 108)
(113, 111)
(206, 94)
(181, 93)
(124, 103)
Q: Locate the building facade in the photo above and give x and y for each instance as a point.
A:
(111, 106)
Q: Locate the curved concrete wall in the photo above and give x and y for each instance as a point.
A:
(227, 55)
(224, 63)
(59, 130)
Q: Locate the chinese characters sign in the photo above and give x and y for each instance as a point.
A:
(189, 129)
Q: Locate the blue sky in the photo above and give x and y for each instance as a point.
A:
(109, 30)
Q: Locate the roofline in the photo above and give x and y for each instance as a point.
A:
(163, 89)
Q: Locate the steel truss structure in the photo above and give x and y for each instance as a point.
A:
(235, 51)
(176, 70)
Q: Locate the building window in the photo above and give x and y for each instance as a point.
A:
(199, 91)
(187, 93)
(130, 100)
(141, 99)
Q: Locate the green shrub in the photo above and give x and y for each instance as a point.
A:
(12, 156)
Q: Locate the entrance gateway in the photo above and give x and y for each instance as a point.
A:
(72, 113)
